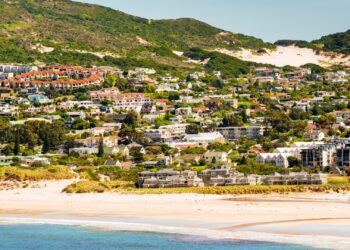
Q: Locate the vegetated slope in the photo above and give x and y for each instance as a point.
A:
(67, 32)
(338, 42)
(328, 51)
(228, 65)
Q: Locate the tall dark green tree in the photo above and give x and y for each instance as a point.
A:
(46, 145)
(244, 116)
(100, 148)
(16, 148)
(131, 119)
(138, 156)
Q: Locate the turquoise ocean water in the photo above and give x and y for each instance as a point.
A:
(58, 237)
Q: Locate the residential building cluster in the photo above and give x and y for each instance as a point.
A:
(139, 118)
(223, 176)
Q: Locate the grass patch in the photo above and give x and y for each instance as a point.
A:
(239, 190)
(339, 180)
(35, 174)
(97, 186)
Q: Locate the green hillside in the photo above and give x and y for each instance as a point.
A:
(73, 29)
(338, 42)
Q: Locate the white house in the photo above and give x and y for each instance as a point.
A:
(84, 150)
(276, 159)
(217, 157)
(294, 151)
(314, 135)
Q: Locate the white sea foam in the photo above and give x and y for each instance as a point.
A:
(329, 242)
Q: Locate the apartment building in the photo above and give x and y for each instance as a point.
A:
(343, 155)
(322, 155)
(168, 178)
(167, 133)
(251, 132)
(132, 101)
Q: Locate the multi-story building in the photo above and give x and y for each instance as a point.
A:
(251, 132)
(59, 77)
(276, 159)
(132, 101)
(223, 176)
(79, 104)
(167, 133)
(8, 110)
(301, 178)
(17, 69)
(226, 176)
(107, 94)
(343, 155)
(294, 151)
(168, 178)
(322, 155)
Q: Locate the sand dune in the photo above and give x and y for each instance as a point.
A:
(289, 55)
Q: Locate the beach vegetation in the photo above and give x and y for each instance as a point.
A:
(35, 174)
(87, 186)
(240, 190)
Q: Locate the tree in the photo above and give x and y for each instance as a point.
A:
(279, 120)
(232, 120)
(294, 162)
(80, 124)
(243, 160)
(217, 146)
(138, 156)
(173, 96)
(194, 129)
(31, 139)
(202, 162)
(46, 145)
(100, 148)
(131, 119)
(132, 135)
(7, 150)
(70, 143)
(16, 148)
(297, 114)
(161, 121)
(326, 120)
(244, 116)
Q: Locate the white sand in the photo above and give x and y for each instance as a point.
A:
(289, 55)
(43, 49)
(266, 218)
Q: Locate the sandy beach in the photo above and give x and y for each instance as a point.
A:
(319, 220)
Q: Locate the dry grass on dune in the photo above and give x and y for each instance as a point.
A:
(35, 174)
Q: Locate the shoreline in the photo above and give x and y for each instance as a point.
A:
(329, 242)
(318, 220)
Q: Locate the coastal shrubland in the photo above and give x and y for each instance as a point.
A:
(35, 174)
(336, 180)
(239, 190)
(87, 186)
(128, 187)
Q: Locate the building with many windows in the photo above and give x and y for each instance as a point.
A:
(322, 155)
(167, 133)
(251, 132)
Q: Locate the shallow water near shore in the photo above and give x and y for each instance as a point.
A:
(49, 237)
